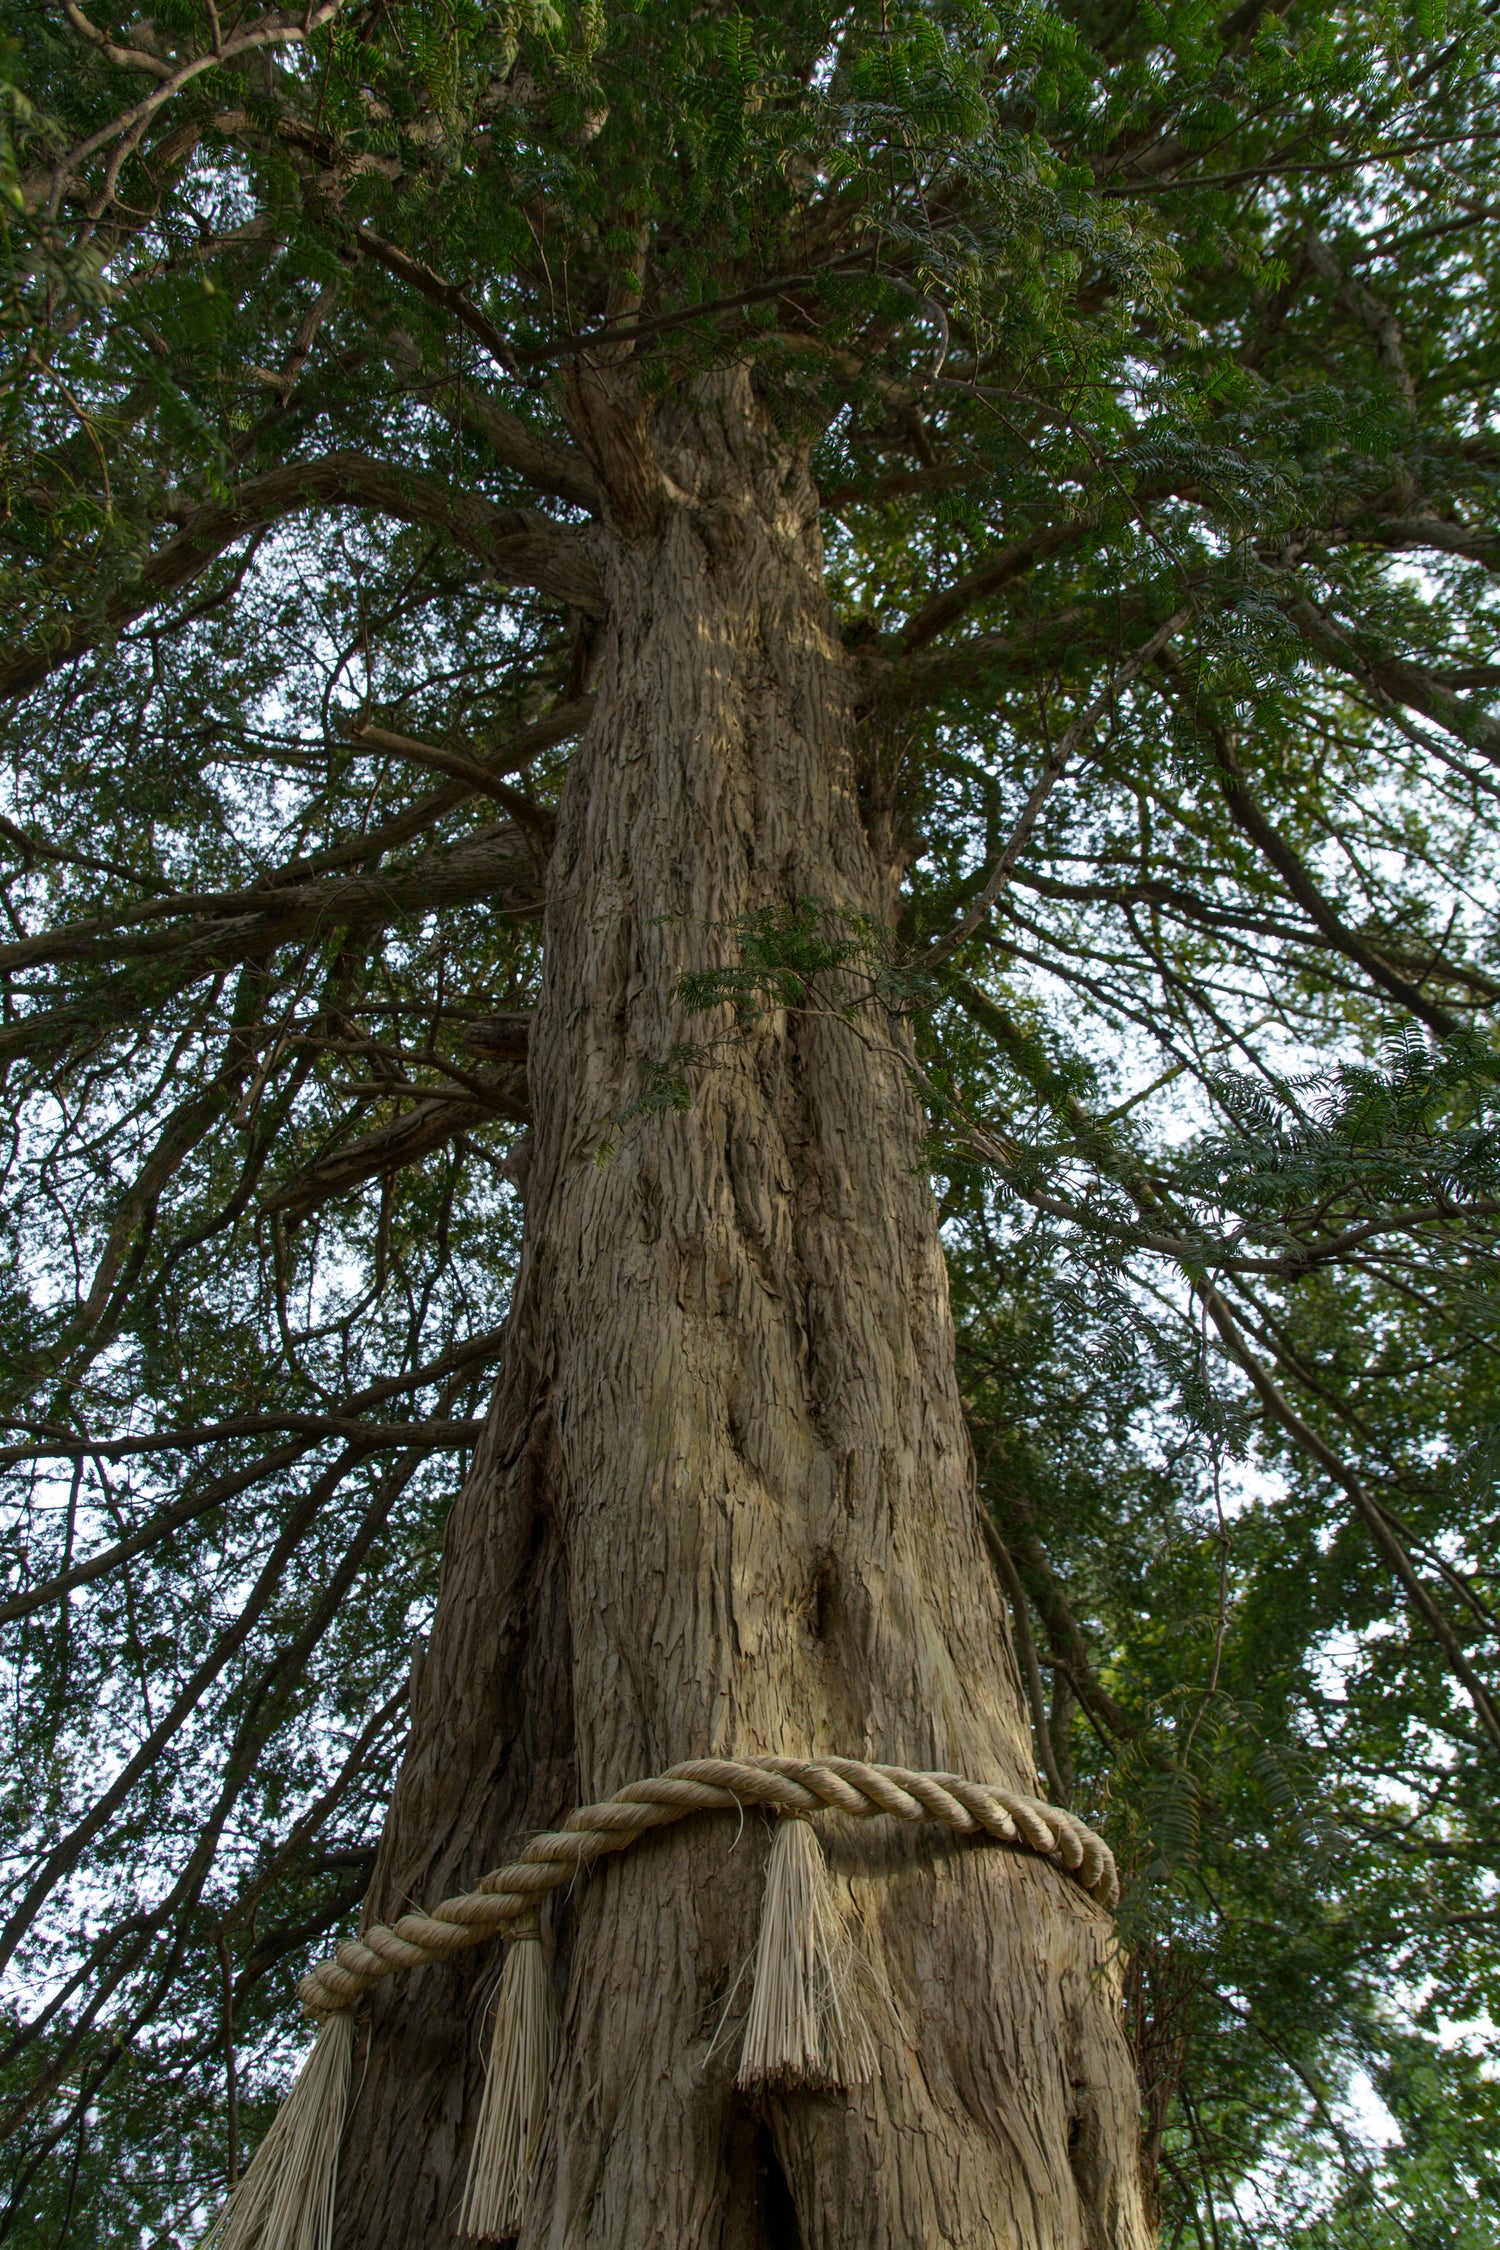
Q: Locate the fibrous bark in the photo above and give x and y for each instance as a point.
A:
(725, 1504)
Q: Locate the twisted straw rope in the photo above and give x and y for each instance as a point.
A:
(788, 1785)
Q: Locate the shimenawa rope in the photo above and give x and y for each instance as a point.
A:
(804, 2026)
(788, 1785)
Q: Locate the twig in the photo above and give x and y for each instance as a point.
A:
(1046, 781)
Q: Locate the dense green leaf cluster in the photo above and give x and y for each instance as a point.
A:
(1091, 322)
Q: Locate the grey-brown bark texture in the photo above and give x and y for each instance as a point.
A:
(725, 1502)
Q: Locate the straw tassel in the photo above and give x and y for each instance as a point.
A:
(284, 2199)
(807, 2024)
(528, 2029)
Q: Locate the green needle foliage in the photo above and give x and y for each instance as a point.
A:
(1146, 359)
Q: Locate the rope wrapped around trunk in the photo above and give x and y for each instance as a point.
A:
(801, 1786)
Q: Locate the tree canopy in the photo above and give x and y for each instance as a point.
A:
(1146, 359)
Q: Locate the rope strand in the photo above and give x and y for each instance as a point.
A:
(788, 1785)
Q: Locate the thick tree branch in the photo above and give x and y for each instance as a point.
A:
(277, 28)
(523, 809)
(541, 460)
(1013, 561)
(560, 725)
(1290, 167)
(1443, 535)
(473, 1352)
(1274, 848)
(500, 865)
(1008, 562)
(1394, 678)
(521, 547)
(373, 1437)
(403, 1140)
(1245, 923)
(1374, 316)
(975, 664)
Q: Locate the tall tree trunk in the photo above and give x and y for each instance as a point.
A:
(725, 1504)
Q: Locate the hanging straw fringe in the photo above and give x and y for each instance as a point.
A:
(284, 2199)
(811, 2008)
(528, 2029)
(806, 2025)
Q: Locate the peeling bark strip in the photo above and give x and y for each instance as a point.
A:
(724, 1504)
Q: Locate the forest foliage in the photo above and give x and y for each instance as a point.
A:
(1146, 355)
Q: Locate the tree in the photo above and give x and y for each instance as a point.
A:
(895, 512)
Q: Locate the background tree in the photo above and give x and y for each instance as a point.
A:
(697, 578)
